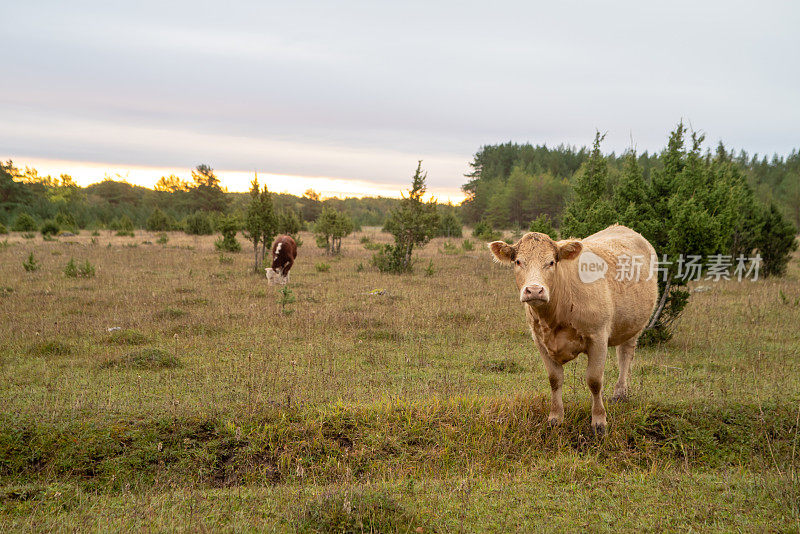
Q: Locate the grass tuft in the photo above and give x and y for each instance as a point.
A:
(358, 511)
(149, 358)
(128, 337)
(380, 335)
(170, 313)
(457, 318)
(505, 365)
(195, 301)
(195, 329)
(20, 493)
(52, 347)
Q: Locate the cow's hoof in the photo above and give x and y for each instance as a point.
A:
(620, 397)
(554, 420)
(599, 429)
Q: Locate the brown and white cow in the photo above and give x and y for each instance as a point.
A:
(577, 302)
(284, 252)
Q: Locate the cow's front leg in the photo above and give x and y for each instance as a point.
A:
(594, 379)
(555, 373)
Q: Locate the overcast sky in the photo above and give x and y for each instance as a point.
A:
(360, 91)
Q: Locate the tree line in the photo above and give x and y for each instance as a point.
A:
(28, 200)
(512, 184)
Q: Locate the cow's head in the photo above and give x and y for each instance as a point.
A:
(536, 259)
(276, 276)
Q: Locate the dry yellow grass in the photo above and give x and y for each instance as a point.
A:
(423, 337)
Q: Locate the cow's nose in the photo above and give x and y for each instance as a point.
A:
(533, 292)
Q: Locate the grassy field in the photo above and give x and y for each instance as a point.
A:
(372, 402)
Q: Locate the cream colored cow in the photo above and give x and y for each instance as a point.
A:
(583, 296)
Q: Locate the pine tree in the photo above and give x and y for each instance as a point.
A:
(544, 225)
(449, 225)
(330, 228)
(632, 199)
(739, 209)
(24, 223)
(289, 223)
(590, 210)
(260, 224)
(228, 227)
(777, 241)
(413, 223)
(206, 193)
(158, 221)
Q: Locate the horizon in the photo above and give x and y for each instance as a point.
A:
(232, 181)
(86, 173)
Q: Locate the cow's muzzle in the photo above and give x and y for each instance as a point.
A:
(534, 294)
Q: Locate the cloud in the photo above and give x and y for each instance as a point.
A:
(362, 90)
(172, 147)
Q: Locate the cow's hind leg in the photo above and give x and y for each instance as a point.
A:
(624, 360)
(594, 379)
(555, 373)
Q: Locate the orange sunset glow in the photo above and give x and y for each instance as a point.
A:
(85, 173)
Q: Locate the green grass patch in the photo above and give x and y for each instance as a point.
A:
(149, 358)
(53, 347)
(449, 249)
(185, 290)
(359, 511)
(170, 313)
(385, 441)
(84, 270)
(379, 334)
(196, 329)
(194, 301)
(372, 246)
(505, 365)
(457, 318)
(128, 336)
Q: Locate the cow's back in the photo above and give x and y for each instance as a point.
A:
(620, 240)
(632, 285)
(284, 246)
(284, 252)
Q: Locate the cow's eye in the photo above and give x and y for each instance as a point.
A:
(518, 262)
(552, 262)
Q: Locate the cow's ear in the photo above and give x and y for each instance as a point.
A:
(502, 251)
(569, 250)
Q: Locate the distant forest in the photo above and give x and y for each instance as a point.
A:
(512, 184)
(103, 204)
